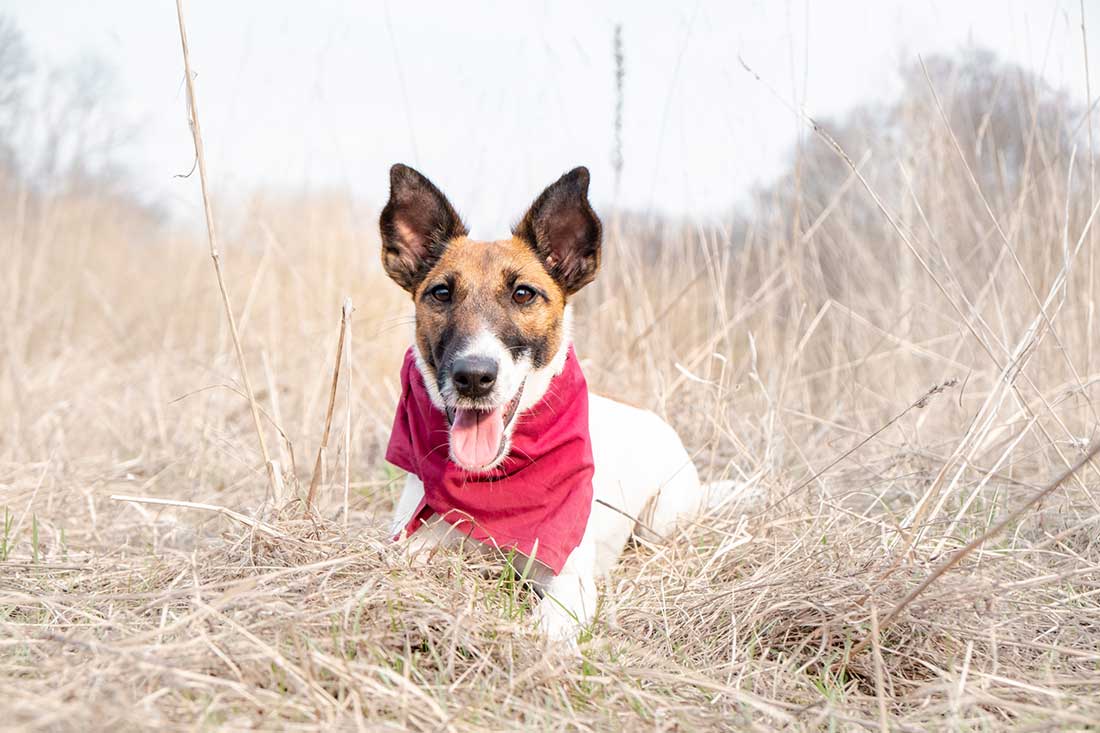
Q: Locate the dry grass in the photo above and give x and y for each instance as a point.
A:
(774, 350)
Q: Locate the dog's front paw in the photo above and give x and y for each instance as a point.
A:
(560, 626)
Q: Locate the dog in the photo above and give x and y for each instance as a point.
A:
(496, 427)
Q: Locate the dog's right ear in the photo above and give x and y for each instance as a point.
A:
(416, 225)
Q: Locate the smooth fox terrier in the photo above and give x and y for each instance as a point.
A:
(501, 438)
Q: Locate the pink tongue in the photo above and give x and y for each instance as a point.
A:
(475, 436)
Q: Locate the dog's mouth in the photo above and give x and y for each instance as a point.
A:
(478, 435)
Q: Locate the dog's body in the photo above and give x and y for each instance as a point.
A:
(492, 332)
(642, 472)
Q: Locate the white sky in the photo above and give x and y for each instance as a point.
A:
(493, 100)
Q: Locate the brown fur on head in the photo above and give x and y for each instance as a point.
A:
(482, 279)
(461, 286)
(502, 303)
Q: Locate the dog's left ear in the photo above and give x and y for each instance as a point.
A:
(564, 231)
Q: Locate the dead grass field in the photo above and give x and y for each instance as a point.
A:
(775, 348)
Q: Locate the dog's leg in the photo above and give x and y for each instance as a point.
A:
(428, 537)
(568, 598)
(679, 499)
(407, 505)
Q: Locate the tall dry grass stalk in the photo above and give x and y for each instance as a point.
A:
(215, 255)
(797, 359)
(315, 479)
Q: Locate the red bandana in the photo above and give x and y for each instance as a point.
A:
(537, 501)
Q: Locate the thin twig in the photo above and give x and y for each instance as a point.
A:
(880, 683)
(196, 134)
(347, 409)
(920, 403)
(345, 316)
(975, 544)
(1091, 311)
(634, 519)
(242, 518)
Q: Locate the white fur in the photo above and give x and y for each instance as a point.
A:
(642, 470)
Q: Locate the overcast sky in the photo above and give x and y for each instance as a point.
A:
(494, 100)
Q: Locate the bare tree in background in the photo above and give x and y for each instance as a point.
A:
(15, 73)
(998, 112)
(956, 116)
(58, 129)
(78, 138)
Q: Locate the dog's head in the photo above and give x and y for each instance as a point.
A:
(492, 318)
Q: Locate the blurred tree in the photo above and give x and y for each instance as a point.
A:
(78, 138)
(57, 126)
(955, 117)
(15, 73)
(61, 134)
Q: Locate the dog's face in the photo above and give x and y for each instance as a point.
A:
(491, 317)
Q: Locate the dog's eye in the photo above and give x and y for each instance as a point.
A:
(523, 295)
(441, 293)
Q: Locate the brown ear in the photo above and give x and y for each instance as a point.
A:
(416, 225)
(564, 231)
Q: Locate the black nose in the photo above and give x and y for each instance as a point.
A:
(474, 376)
